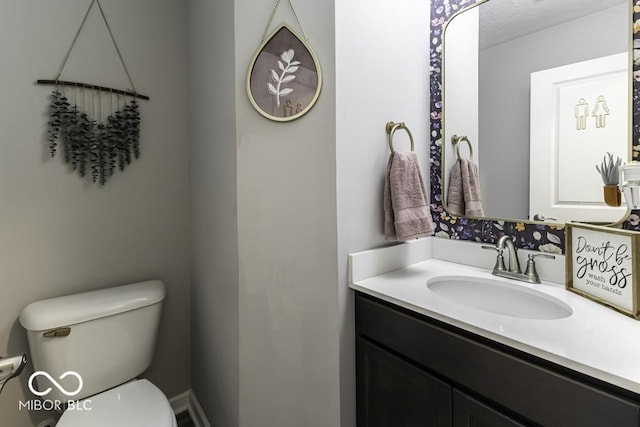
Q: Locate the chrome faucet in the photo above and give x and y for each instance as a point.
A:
(514, 271)
(514, 263)
(11, 367)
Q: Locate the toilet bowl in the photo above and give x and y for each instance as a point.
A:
(137, 403)
(106, 339)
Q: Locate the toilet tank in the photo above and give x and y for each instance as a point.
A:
(106, 336)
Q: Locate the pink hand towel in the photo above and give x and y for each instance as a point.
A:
(406, 212)
(463, 197)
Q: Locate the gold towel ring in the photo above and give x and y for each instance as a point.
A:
(455, 140)
(392, 127)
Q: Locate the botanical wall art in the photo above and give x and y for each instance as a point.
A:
(91, 143)
(97, 128)
(284, 78)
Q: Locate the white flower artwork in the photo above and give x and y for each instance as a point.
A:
(287, 67)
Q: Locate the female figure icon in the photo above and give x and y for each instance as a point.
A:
(600, 112)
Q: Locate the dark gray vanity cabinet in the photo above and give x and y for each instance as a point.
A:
(392, 392)
(416, 371)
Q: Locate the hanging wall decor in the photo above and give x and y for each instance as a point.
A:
(284, 78)
(77, 122)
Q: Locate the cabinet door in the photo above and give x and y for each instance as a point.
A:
(395, 393)
(468, 412)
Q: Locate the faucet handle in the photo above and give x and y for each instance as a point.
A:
(499, 260)
(541, 255)
(531, 273)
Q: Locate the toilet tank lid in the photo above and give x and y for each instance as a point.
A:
(77, 308)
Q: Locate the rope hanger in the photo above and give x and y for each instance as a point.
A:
(57, 82)
(273, 13)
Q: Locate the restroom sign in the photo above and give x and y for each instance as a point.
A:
(600, 266)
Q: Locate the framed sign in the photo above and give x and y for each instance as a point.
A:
(284, 78)
(600, 266)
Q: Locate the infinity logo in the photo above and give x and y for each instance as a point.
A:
(55, 383)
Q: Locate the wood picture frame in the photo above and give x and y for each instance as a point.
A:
(601, 266)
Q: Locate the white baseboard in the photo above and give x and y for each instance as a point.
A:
(196, 412)
(187, 402)
(180, 403)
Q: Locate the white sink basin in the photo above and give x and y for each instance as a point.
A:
(499, 297)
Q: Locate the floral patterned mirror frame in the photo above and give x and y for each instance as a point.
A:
(539, 236)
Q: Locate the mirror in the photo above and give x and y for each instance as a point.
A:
(541, 90)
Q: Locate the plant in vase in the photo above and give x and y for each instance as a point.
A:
(609, 172)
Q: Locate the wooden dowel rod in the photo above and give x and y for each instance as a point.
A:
(92, 86)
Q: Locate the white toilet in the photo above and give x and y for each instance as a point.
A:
(106, 338)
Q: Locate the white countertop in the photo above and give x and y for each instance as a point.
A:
(594, 340)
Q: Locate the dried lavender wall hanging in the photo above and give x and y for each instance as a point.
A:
(284, 78)
(89, 142)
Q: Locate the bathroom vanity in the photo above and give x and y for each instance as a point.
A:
(415, 370)
(423, 359)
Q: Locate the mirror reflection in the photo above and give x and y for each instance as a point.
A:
(540, 90)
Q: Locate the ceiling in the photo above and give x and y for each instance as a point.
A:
(502, 20)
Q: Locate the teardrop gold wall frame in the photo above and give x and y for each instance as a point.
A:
(284, 78)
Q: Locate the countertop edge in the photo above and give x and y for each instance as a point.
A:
(365, 286)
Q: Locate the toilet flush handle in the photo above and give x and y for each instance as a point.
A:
(58, 332)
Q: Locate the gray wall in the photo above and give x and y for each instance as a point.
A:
(504, 99)
(307, 193)
(214, 287)
(60, 234)
(382, 74)
(289, 371)
(264, 226)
